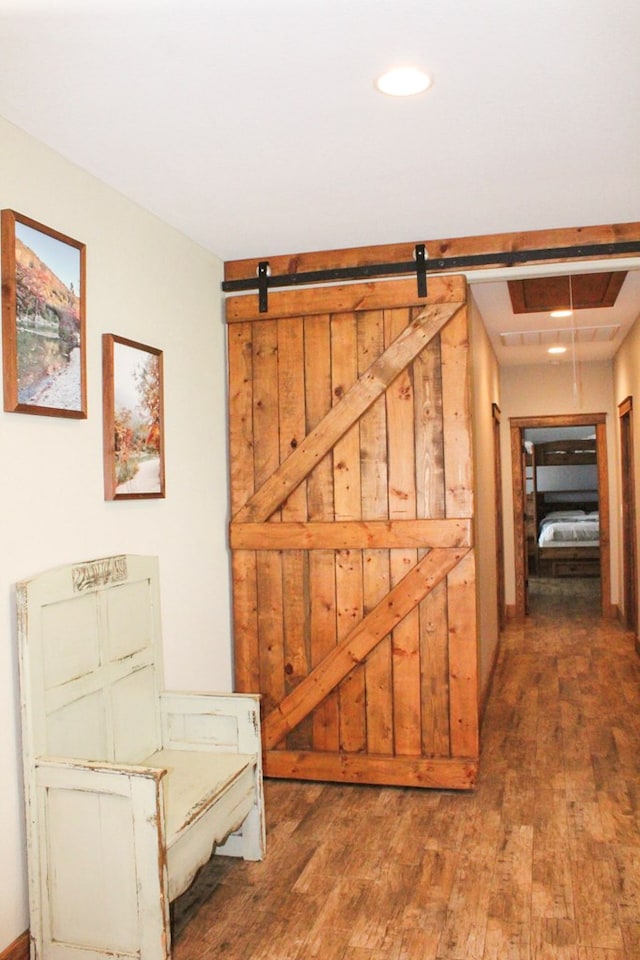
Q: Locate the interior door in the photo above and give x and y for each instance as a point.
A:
(351, 531)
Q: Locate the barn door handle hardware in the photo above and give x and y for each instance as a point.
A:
(420, 255)
(264, 272)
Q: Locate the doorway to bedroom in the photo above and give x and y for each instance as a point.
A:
(561, 507)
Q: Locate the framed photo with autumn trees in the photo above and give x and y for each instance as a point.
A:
(43, 319)
(132, 395)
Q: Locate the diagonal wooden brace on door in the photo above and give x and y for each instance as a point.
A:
(346, 412)
(352, 650)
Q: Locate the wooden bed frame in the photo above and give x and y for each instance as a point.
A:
(570, 452)
(569, 561)
(576, 561)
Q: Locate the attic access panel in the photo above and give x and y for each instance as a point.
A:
(585, 291)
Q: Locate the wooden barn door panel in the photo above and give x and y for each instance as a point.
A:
(351, 532)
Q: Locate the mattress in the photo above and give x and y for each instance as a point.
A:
(570, 529)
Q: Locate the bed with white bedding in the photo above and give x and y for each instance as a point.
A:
(569, 543)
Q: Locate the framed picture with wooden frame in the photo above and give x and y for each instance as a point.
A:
(43, 319)
(133, 419)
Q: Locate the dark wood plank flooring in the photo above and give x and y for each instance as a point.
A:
(541, 862)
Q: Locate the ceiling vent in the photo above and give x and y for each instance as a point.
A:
(568, 335)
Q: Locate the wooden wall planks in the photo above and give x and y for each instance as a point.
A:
(436, 248)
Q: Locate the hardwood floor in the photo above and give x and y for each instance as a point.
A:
(541, 862)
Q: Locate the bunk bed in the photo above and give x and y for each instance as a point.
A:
(567, 517)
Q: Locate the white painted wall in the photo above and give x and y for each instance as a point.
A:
(485, 391)
(580, 476)
(544, 390)
(626, 383)
(147, 282)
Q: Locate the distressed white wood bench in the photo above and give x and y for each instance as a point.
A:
(129, 788)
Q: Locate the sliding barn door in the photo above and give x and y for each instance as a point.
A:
(351, 531)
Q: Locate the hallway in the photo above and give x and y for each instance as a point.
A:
(541, 862)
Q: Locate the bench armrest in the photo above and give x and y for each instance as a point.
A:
(96, 827)
(92, 772)
(228, 722)
(224, 723)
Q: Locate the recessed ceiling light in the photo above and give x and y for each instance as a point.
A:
(557, 349)
(403, 82)
(561, 313)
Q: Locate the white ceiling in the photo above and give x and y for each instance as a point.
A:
(590, 336)
(253, 126)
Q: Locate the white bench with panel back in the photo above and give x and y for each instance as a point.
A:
(129, 788)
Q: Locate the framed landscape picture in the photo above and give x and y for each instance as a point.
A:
(43, 319)
(133, 419)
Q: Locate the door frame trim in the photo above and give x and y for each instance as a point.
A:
(517, 427)
(500, 567)
(628, 513)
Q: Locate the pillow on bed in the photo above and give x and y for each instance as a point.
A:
(564, 514)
